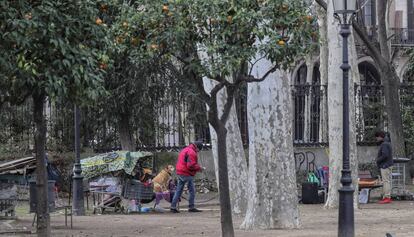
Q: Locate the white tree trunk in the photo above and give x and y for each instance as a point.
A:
(334, 107)
(335, 104)
(272, 192)
(307, 105)
(323, 69)
(353, 148)
(236, 159)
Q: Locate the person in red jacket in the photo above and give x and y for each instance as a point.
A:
(187, 166)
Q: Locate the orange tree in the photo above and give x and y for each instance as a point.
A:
(132, 71)
(49, 49)
(222, 40)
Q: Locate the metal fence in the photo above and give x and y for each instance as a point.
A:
(16, 128)
(173, 125)
(310, 124)
(371, 115)
(400, 37)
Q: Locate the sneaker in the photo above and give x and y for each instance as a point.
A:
(173, 210)
(385, 201)
(194, 210)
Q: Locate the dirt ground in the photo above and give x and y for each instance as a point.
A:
(370, 220)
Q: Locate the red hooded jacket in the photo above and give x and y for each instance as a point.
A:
(187, 161)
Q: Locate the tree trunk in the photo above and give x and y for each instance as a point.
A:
(42, 209)
(323, 69)
(389, 76)
(272, 191)
(391, 84)
(335, 105)
(218, 122)
(392, 105)
(236, 160)
(353, 148)
(225, 204)
(125, 132)
(334, 108)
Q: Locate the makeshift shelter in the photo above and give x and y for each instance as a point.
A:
(17, 171)
(13, 174)
(114, 177)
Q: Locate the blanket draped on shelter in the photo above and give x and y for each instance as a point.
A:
(113, 161)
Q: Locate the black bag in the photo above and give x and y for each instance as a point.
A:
(310, 193)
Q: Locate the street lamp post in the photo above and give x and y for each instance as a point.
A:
(344, 11)
(78, 203)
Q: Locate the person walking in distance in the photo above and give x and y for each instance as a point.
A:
(186, 168)
(384, 163)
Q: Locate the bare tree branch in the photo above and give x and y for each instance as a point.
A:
(374, 52)
(395, 54)
(204, 95)
(217, 88)
(251, 78)
(322, 4)
(382, 31)
(251, 67)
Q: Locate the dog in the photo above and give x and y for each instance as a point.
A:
(163, 187)
(160, 181)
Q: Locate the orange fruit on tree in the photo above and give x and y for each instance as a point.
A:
(281, 42)
(98, 21)
(165, 8)
(309, 18)
(284, 8)
(230, 19)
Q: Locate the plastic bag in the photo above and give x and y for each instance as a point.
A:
(363, 195)
(312, 178)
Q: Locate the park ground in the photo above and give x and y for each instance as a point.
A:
(370, 220)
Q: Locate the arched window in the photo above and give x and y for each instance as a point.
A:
(315, 109)
(300, 91)
(368, 74)
(371, 101)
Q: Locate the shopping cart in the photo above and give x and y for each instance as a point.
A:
(138, 191)
(398, 173)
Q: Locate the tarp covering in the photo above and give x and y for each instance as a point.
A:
(112, 161)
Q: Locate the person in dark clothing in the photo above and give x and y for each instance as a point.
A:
(385, 163)
(187, 166)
